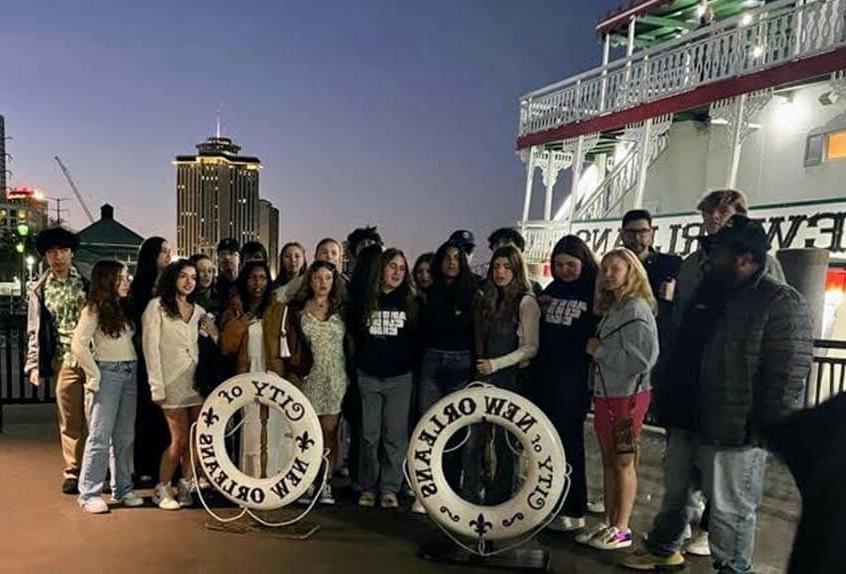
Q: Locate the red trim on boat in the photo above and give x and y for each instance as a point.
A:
(779, 75)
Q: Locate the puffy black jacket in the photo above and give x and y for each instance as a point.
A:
(755, 365)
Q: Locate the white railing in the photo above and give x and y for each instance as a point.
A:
(541, 237)
(609, 193)
(780, 32)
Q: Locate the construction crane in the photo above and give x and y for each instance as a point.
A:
(75, 190)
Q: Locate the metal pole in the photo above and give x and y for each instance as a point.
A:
(643, 163)
(578, 160)
(631, 38)
(606, 52)
(550, 183)
(737, 141)
(527, 199)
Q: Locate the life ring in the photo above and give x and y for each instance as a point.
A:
(277, 393)
(536, 498)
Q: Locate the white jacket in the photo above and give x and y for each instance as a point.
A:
(170, 346)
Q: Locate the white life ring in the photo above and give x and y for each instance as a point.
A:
(539, 493)
(277, 393)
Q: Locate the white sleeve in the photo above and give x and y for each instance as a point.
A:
(86, 327)
(528, 334)
(151, 323)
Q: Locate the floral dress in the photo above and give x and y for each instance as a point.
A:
(326, 384)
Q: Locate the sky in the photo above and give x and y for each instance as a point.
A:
(395, 113)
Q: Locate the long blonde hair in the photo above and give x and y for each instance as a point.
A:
(636, 283)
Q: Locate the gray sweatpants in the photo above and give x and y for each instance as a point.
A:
(384, 431)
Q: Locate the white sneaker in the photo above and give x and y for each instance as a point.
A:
(130, 500)
(596, 506)
(588, 534)
(164, 497)
(612, 538)
(566, 524)
(183, 493)
(95, 505)
(326, 495)
(417, 507)
(699, 545)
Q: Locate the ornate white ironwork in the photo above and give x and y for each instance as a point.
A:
(782, 31)
(726, 111)
(622, 179)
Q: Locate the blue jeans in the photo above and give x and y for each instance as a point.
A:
(442, 373)
(732, 480)
(384, 428)
(111, 422)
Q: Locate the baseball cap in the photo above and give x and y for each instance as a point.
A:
(463, 237)
(228, 244)
(741, 234)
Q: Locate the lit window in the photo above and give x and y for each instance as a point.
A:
(836, 145)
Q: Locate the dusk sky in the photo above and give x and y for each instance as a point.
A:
(400, 114)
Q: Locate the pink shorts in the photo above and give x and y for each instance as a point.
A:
(609, 408)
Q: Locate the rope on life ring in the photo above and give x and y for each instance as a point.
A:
(533, 506)
(248, 492)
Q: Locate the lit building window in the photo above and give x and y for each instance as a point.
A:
(836, 145)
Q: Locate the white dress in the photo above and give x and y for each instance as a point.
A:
(279, 438)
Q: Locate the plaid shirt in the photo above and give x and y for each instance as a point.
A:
(64, 300)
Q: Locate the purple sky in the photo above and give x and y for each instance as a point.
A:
(401, 114)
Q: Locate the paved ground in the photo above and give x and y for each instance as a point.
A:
(42, 530)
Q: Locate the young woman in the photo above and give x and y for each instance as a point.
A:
(292, 263)
(385, 354)
(105, 325)
(560, 382)
(624, 351)
(251, 333)
(321, 315)
(172, 324)
(422, 273)
(150, 427)
(447, 337)
(204, 294)
(506, 328)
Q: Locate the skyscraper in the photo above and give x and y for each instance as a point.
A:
(217, 196)
(269, 232)
(2, 155)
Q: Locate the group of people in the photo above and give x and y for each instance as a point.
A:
(717, 345)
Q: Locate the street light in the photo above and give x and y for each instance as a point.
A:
(30, 263)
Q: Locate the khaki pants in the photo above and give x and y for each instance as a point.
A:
(70, 400)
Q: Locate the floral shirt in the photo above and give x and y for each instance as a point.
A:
(64, 300)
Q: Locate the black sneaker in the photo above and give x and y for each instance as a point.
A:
(70, 486)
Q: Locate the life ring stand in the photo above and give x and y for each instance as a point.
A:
(538, 499)
(247, 492)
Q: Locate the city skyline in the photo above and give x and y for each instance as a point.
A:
(365, 114)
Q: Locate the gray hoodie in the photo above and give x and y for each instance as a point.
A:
(628, 350)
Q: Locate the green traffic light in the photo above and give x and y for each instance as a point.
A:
(23, 229)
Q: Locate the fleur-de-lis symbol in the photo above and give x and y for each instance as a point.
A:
(209, 417)
(480, 525)
(304, 442)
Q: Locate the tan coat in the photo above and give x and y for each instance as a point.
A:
(234, 338)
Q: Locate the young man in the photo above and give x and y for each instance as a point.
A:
(661, 268)
(466, 240)
(360, 238)
(253, 251)
(55, 303)
(228, 267)
(744, 351)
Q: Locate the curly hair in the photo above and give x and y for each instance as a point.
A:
(374, 290)
(338, 294)
(636, 283)
(499, 304)
(112, 311)
(166, 287)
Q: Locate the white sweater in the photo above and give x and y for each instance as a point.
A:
(106, 348)
(170, 346)
(528, 335)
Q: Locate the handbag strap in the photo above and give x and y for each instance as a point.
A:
(285, 321)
